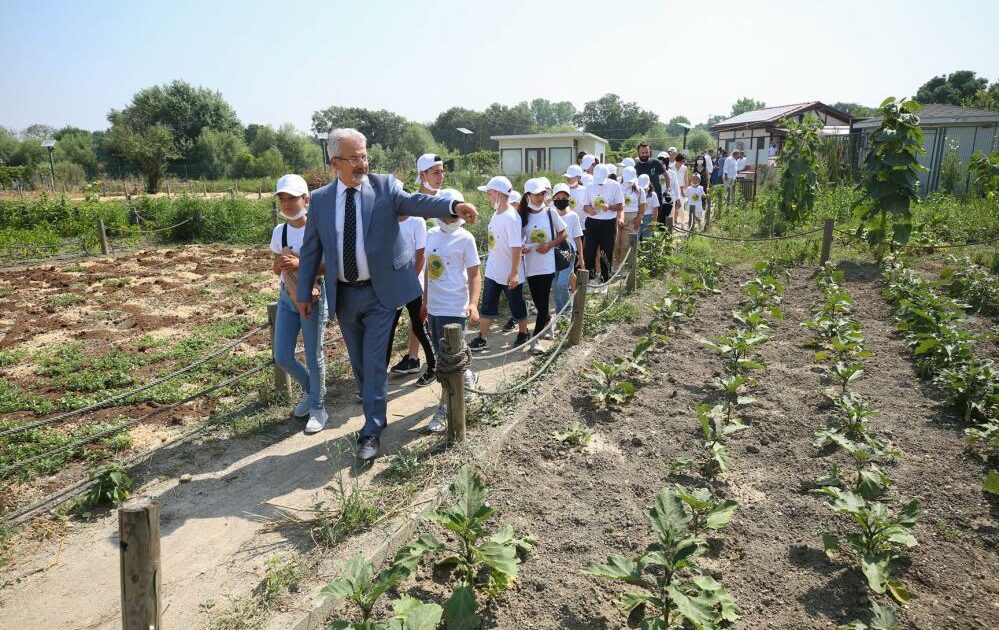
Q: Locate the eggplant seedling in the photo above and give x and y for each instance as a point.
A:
(735, 350)
(609, 388)
(717, 423)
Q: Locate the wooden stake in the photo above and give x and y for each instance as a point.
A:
(579, 306)
(632, 282)
(455, 386)
(141, 580)
(102, 236)
(827, 236)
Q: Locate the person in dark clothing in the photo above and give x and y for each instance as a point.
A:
(648, 166)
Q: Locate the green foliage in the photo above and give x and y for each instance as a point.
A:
(882, 618)
(576, 436)
(951, 173)
(608, 387)
(736, 351)
(880, 537)
(717, 423)
(350, 512)
(675, 592)
(951, 89)
(890, 169)
(985, 172)
(610, 117)
(799, 171)
(215, 152)
(746, 104)
(151, 148)
(111, 487)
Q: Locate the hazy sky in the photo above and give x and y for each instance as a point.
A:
(70, 62)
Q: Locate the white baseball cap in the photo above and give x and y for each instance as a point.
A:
(626, 162)
(561, 188)
(587, 162)
(547, 182)
(663, 154)
(574, 170)
(629, 174)
(534, 186)
(586, 179)
(611, 169)
(671, 150)
(498, 183)
(425, 161)
(600, 174)
(643, 181)
(452, 194)
(515, 197)
(292, 184)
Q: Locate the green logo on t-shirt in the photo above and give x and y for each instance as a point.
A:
(600, 203)
(492, 240)
(572, 203)
(435, 267)
(627, 201)
(538, 236)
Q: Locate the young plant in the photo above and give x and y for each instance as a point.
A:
(111, 487)
(577, 436)
(879, 540)
(846, 373)
(675, 593)
(707, 512)
(850, 422)
(717, 423)
(869, 481)
(882, 618)
(609, 389)
(735, 350)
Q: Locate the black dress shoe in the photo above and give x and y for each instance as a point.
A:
(368, 450)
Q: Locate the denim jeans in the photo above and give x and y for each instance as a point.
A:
(562, 287)
(645, 230)
(436, 323)
(287, 325)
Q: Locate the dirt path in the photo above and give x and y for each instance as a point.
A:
(586, 505)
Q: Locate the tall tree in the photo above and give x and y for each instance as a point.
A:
(548, 114)
(445, 129)
(856, 110)
(77, 146)
(984, 99)
(746, 104)
(614, 119)
(706, 125)
(379, 126)
(38, 132)
(502, 120)
(673, 126)
(150, 147)
(951, 89)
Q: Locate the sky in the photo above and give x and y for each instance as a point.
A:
(69, 62)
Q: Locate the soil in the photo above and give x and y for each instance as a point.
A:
(588, 504)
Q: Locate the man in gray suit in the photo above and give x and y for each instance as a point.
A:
(353, 226)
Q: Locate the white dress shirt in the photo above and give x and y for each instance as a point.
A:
(362, 257)
(708, 164)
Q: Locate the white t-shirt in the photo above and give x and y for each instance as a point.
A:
(732, 167)
(696, 196)
(414, 231)
(504, 234)
(449, 256)
(708, 164)
(577, 199)
(602, 197)
(632, 197)
(538, 231)
(295, 238)
(651, 203)
(573, 227)
(676, 179)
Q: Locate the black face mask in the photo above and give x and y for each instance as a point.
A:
(561, 204)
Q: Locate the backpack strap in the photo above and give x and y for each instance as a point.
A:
(284, 236)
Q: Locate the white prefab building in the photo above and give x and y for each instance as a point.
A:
(530, 153)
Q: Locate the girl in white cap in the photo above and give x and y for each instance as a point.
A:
(678, 186)
(504, 271)
(430, 177)
(286, 243)
(543, 230)
(651, 204)
(604, 210)
(696, 194)
(634, 209)
(565, 280)
(450, 288)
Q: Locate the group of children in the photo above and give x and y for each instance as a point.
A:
(538, 238)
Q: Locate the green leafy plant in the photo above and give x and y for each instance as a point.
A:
(879, 540)
(846, 373)
(706, 511)
(799, 183)
(609, 389)
(675, 592)
(576, 436)
(112, 485)
(882, 618)
(735, 350)
(717, 423)
(869, 480)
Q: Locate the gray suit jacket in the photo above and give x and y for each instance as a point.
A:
(390, 258)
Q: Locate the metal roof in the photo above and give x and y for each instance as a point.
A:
(561, 134)
(941, 114)
(769, 115)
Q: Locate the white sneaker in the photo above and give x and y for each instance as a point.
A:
(536, 347)
(438, 423)
(302, 407)
(548, 334)
(317, 420)
(471, 378)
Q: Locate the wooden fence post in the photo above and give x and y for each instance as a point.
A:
(632, 282)
(139, 553)
(827, 236)
(455, 386)
(204, 186)
(274, 212)
(579, 306)
(102, 236)
(197, 222)
(282, 380)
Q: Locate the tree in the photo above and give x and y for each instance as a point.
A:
(673, 126)
(710, 121)
(746, 104)
(613, 119)
(951, 89)
(9, 145)
(76, 146)
(445, 129)
(379, 127)
(182, 109)
(38, 132)
(502, 120)
(855, 110)
(699, 141)
(215, 153)
(799, 183)
(299, 151)
(417, 140)
(150, 147)
(548, 114)
(987, 99)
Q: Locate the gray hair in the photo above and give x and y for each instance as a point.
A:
(337, 136)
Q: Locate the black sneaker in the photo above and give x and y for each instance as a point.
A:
(509, 325)
(426, 378)
(406, 365)
(521, 339)
(478, 344)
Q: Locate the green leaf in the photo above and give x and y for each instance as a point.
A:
(415, 615)
(459, 610)
(875, 569)
(501, 558)
(410, 555)
(471, 494)
(618, 568)
(719, 453)
(831, 545)
(699, 611)
(669, 519)
(883, 617)
(715, 592)
(991, 482)
(898, 591)
(722, 514)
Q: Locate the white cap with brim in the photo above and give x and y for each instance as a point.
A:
(515, 197)
(626, 162)
(587, 162)
(452, 194)
(671, 150)
(534, 186)
(547, 182)
(498, 183)
(643, 181)
(292, 184)
(425, 161)
(574, 170)
(629, 174)
(611, 169)
(600, 174)
(561, 188)
(663, 154)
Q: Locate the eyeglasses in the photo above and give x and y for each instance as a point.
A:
(354, 161)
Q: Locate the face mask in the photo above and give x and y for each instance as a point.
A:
(534, 206)
(496, 205)
(426, 184)
(561, 204)
(447, 228)
(301, 213)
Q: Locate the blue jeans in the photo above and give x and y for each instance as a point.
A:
(287, 325)
(437, 324)
(491, 291)
(366, 325)
(562, 287)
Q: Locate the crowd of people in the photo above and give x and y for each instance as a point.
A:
(360, 249)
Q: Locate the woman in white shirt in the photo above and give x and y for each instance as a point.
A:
(565, 280)
(543, 230)
(286, 243)
(678, 186)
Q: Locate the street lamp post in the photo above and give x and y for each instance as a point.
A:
(468, 136)
(321, 138)
(50, 145)
(686, 130)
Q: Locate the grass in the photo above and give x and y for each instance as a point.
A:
(66, 299)
(37, 441)
(9, 358)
